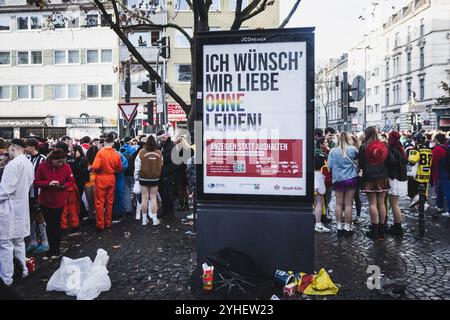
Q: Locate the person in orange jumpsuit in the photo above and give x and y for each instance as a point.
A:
(71, 210)
(106, 164)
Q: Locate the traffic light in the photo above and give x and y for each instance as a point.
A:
(148, 87)
(164, 44)
(352, 110)
(149, 112)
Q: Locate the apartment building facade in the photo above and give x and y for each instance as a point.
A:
(58, 73)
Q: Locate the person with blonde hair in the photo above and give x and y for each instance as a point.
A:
(344, 173)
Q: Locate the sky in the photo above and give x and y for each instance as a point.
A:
(337, 25)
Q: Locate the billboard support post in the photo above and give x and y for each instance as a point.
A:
(255, 185)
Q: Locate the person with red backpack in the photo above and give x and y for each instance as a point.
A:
(372, 161)
(440, 171)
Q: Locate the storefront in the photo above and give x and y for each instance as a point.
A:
(23, 127)
(87, 126)
(443, 117)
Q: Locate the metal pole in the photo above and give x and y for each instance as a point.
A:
(365, 96)
(127, 96)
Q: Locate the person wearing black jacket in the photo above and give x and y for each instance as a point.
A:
(167, 180)
(372, 158)
(397, 163)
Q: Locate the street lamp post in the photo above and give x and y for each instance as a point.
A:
(365, 77)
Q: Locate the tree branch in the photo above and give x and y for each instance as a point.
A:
(140, 59)
(260, 9)
(289, 16)
(116, 13)
(238, 10)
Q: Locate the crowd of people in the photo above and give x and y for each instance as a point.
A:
(386, 166)
(48, 186)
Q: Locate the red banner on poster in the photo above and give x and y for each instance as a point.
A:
(254, 158)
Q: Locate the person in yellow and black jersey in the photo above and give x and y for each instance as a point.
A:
(422, 155)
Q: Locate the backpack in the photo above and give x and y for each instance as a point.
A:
(376, 153)
(130, 158)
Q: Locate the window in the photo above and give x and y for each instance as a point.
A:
(92, 56)
(180, 39)
(396, 66)
(59, 57)
(233, 4)
(74, 57)
(397, 40)
(29, 22)
(408, 91)
(73, 20)
(23, 92)
(36, 92)
(92, 91)
(140, 39)
(99, 91)
(33, 92)
(181, 5)
(92, 20)
(106, 55)
(422, 57)
(35, 22)
(59, 92)
(387, 44)
(408, 62)
(99, 56)
(36, 57)
(387, 70)
(104, 22)
(156, 35)
(408, 36)
(5, 23)
(5, 92)
(377, 108)
(422, 27)
(377, 90)
(387, 96)
(5, 58)
(422, 89)
(183, 72)
(74, 91)
(66, 92)
(107, 90)
(22, 23)
(22, 57)
(369, 92)
(29, 57)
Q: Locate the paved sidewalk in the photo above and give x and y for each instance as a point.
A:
(156, 262)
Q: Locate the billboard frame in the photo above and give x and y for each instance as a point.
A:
(259, 36)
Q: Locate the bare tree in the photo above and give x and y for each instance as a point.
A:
(141, 15)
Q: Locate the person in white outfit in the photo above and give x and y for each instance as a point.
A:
(15, 186)
(319, 192)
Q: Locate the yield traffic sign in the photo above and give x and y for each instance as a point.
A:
(128, 110)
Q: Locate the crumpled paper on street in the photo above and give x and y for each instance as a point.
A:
(82, 277)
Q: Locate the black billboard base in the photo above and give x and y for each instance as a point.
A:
(277, 237)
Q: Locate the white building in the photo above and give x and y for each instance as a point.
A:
(56, 82)
(406, 56)
(328, 94)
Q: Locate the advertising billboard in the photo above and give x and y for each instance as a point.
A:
(254, 99)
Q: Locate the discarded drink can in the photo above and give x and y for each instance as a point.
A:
(208, 277)
(290, 289)
(284, 278)
(30, 262)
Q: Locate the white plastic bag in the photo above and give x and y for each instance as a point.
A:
(97, 280)
(69, 275)
(85, 201)
(137, 188)
(82, 277)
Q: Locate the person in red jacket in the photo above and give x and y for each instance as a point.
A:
(107, 163)
(54, 176)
